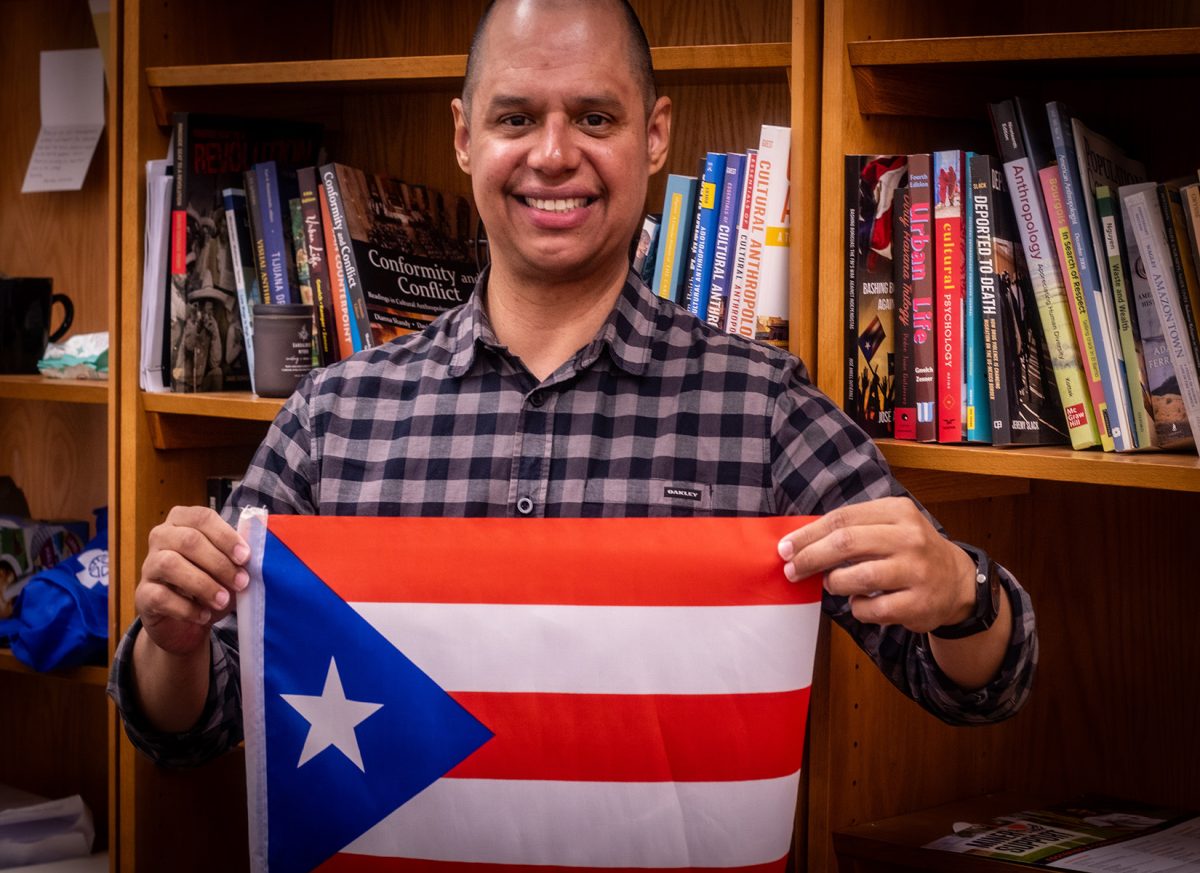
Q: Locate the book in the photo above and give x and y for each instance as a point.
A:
(726, 242)
(405, 250)
(1189, 195)
(920, 226)
(708, 214)
(950, 286)
(1171, 427)
(245, 271)
(219, 489)
(1142, 213)
(1025, 192)
(325, 337)
(275, 189)
(767, 257)
(156, 274)
(1085, 239)
(1089, 833)
(977, 416)
(685, 291)
(1022, 396)
(1181, 261)
(904, 408)
(646, 250)
(740, 317)
(343, 319)
(204, 336)
(871, 185)
(258, 250)
(679, 203)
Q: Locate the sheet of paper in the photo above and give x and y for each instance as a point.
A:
(72, 104)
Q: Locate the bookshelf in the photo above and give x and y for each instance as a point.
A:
(55, 436)
(1103, 543)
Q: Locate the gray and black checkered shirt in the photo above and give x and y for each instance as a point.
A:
(658, 415)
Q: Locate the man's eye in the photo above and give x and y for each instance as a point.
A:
(515, 121)
(594, 119)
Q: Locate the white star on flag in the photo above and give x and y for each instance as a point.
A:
(332, 719)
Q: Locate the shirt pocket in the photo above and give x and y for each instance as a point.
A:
(618, 498)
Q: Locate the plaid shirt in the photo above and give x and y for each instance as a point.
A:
(659, 415)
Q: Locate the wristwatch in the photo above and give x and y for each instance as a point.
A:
(988, 591)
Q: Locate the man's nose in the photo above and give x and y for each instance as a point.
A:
(555, 150)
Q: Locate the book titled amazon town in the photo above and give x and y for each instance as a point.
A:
(405, 250)
(204, 347)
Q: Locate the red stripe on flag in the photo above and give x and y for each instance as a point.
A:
(636, 738)
(662, 561)
(347, 863)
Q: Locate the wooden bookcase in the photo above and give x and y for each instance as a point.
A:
(55, 436)
(1105, 544)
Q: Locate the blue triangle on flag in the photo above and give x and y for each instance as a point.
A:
(418, 734)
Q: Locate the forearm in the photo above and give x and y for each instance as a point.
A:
(170, 689)
(974, 661)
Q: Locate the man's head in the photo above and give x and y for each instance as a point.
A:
(559, 130)
(636, 46)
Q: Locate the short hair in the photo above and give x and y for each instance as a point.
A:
(638, 52)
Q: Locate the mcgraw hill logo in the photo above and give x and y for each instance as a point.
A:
(682, 493)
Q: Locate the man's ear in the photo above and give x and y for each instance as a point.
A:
(658, 134)
(462, 135)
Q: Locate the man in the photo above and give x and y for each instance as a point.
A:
(565, 387)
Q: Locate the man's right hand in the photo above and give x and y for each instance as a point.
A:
(195, 566)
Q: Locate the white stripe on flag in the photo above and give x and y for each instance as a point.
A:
(571, 824)
(604, 649)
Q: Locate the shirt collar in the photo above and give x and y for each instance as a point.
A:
(627, 333)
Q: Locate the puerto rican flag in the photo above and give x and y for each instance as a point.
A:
(522, 695)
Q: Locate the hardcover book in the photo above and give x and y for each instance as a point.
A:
(871, 185)
(406, 250)
(204, 335)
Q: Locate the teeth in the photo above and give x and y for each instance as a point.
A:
(556, 205)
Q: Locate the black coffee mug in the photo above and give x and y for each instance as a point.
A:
(25, 322)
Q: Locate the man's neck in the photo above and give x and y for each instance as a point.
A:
(545, 323)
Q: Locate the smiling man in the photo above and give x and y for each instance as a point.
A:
(565, 388)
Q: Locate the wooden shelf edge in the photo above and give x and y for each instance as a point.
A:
(238, 405)
(95, 676)
(1158, 470)
(1089, 45)
(31, 387)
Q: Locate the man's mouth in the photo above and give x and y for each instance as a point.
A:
(556, 205)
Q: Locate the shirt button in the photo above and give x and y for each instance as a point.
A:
(525, 506)
(537, 398)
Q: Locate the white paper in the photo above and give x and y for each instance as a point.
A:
(72, 104)
(159, 188)
(34, 831)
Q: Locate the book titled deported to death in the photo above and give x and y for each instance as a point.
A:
(405, 250)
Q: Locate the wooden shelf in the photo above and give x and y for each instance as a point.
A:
(902, 76)
(174, 88)
(217, 404)
(97, 676)
(1158, 470)
(60, 390)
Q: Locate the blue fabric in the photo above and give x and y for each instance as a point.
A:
(61, 617)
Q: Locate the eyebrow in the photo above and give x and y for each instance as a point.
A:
(500, 102)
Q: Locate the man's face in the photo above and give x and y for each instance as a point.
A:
(557, 144)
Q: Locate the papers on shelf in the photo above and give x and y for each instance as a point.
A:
(34, 830)
(72, 104)
(151, 376)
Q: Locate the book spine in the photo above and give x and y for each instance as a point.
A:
(949, 237)
(1144, 215)
(1100, 316)
(852, 394)
(741, 310)
(731, 195)
(677, 222)
(770, 241)
(1172, 428)
(708, 215)
(985, 202)
(904, 414)
(234, 200)
(274, 233)
(343, 319)
(360, 329)
(299, 253)
(685, 289)
(318, 266)
(980, 282)
(647, 249)
(254, 217)
(1190, 196)
(1024, 191)
(920, 168)
(1140, 420)
(1181, 261)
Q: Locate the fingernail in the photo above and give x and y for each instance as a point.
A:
(221, 598)
(241, 579)
(789, 570)
(786, 549)
(241, 553)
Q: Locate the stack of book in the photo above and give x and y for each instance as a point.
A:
(1045, 296)
(720, 246)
